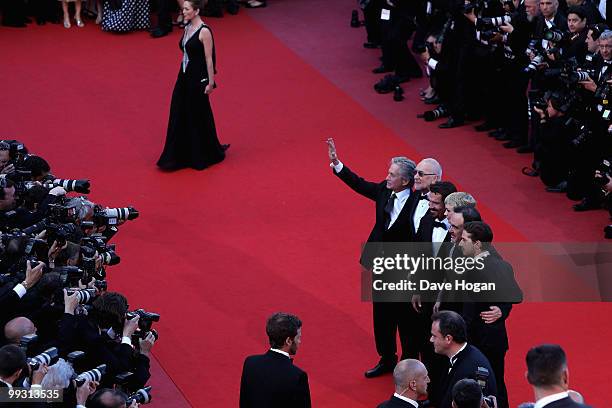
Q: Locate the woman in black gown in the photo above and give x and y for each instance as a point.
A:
(191, 140)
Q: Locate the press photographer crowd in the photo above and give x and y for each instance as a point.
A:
(62, 329)
(534, 73)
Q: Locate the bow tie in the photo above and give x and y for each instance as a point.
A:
(438, 224)
(423, 197)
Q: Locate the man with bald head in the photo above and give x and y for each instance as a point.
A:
(15, 329)
(427, 172)
(411, 378)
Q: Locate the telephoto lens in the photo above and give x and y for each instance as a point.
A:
(142, 396)
(439, 112)
(48, 357)
(95, 374)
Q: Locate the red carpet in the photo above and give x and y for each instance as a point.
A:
(217, 251)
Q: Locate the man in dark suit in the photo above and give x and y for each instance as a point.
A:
(449, 337)
(411, 379)
(271, 380)
(394, 202)
(547, 372)
(486, 313)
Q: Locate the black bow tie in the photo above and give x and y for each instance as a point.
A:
(423, 197)
(438, 224)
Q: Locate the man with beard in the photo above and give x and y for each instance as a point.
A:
(271, 380)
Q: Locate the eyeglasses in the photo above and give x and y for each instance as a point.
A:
(421, 173)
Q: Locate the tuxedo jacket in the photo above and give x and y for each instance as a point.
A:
(465, 366)
(566, 402)
(491, 337)
(395, 402)
(402, 230)
(272, 381)
(424, 235)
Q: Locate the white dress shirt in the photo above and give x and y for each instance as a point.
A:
(542, 402)
(453, 358)
(398, 204)
(421, 209)
(408, 400)
(438, 235)
(281, 352)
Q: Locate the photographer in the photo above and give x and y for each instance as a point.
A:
(468, 394)
(97, 335)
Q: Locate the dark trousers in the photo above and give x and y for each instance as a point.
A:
(389, 318)
(515, 112)
(164, 17)
(371, 15)
(395, 53)
(13, 12)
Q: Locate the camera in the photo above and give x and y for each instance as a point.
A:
(48, 357)
(440, 112)
(144, 323)
(94, 374)
(142, 396)
(482, 376)
(605, 168)
(556, 35)
(111, 216)
(83, 295)
(26, 341)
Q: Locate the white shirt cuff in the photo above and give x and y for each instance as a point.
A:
(36, 386)
(338, 167)
(126, 340)
(20, 290)
(432, 63)
(81, 406)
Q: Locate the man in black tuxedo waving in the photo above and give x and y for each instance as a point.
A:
(394, 203)
(547, 372)
(271, 380)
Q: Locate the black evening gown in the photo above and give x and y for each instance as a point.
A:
(191, 140)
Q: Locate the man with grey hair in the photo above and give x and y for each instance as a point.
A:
(411, 379)
(394, 202)
(427, 172)
(457, 199)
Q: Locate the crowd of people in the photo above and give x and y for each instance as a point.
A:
(532, 73)
(62, 328)
(113, 15)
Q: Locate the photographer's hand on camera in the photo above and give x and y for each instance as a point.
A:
(507, 28)
(8, 169)
(32, 275)
(608, 186)
(70, 302)
(130, 326)
(491, 398)
(589, 85)
(84, 391)
(39, 374)
(146, 344)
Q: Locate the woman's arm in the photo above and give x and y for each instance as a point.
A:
(206, 39)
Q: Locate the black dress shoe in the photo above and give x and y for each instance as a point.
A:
(370, 45)
(451, 123)
(559, 188)
(528, 171)
(586, 205)
(483, 127)
(503, 137)
(381, 70)
(608, 231)
(224, 147)
(159, 32)
(380, 369)
(512, 144)
(496, 132)
(524, 149)
(387, 84)
(434, 100)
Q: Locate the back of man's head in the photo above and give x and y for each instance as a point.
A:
(546, 365)
(466, 393)
(460, 199)
(15, 329)
(451, 323)
(107, 398)
(109, 310)
(281, 326)
(444, 188)
(469, 213)
(12, 359)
